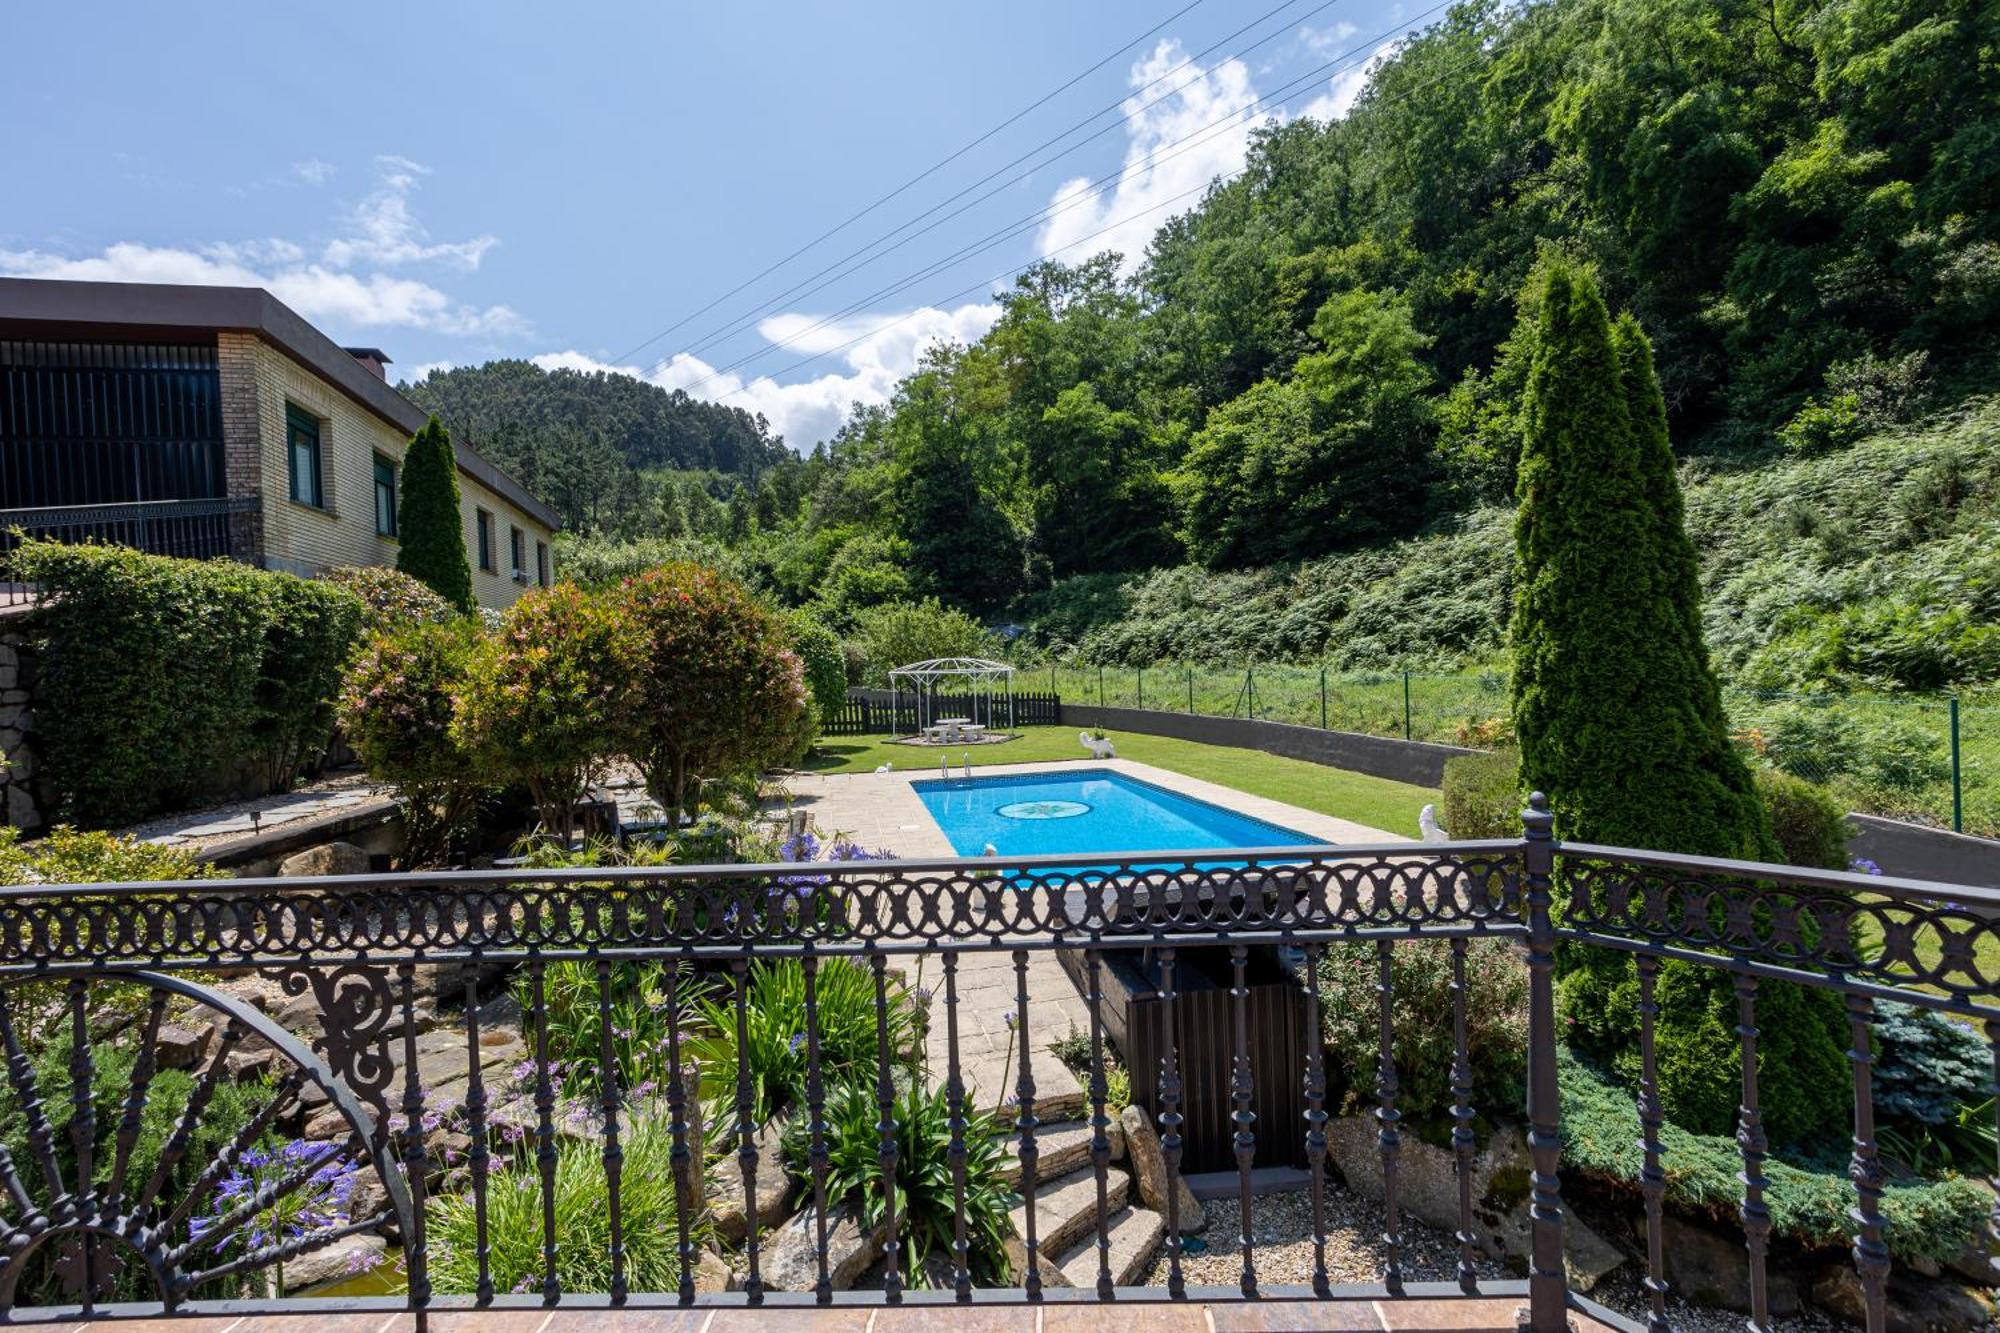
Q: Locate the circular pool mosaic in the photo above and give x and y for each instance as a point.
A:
(1044, 810)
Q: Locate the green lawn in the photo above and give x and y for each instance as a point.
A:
(1377, 802)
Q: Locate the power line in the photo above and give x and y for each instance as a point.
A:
(978, 286)
(1001, 277)
(731, 328)
(936, 166)
(1186, 143)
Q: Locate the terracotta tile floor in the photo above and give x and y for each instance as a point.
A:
(1449, 1315)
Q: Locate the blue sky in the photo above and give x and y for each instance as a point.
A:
(456, 182)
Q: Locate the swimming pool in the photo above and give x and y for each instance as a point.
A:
(1087, 811)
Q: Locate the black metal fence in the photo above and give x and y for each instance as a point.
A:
(440, 1142)
(874, 713)
(195, 529)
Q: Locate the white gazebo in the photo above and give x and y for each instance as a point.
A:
(988, 683)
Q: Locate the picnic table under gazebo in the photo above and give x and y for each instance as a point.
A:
(988, 689)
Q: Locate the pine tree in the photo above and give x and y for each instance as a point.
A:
(429, 521)
(1619, 714)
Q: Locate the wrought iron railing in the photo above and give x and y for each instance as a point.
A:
(195, 529)
(87, 971)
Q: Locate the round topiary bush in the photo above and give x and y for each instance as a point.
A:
(1482, 796)
(1809, 822)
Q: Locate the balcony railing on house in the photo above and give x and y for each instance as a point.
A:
(195, 529)
(423, 1119)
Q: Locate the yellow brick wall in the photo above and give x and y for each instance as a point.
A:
(305, 540)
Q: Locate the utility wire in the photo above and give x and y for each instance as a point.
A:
(739, 324)
(1431, 82)
(1186, 143)
(921, 176)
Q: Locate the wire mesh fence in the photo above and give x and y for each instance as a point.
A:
(1929, 758)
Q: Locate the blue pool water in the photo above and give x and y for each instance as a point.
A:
(1084, 811)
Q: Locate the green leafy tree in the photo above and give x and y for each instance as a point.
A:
(1331, 458)
(718, 690)
(825, 665)
(900, 633)
(543, 696)
(1618, 713)
(430, 524)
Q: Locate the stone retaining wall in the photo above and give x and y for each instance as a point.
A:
(1418, 762)
(20, 792)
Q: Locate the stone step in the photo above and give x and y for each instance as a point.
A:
(1135, 1235)
(1060, 1149)
(1066, 1207)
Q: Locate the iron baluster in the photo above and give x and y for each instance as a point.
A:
(143, 1070)
(1652, 1179)
(1170, 1128)
(885, 1095)
(746, 1133)
(609, 1079)
(1316, 1116)
(1753, 1147)
(1387, 1117)
(961, 1250)
(1548, 1293)
(1871, 1255)
(679, 1158)
(82, 1133)
(816, 1119)
(479, 1155)
(1100, 1124)
(1462, 1139)
(1242, 1097)
(1025, 1123)
(416, 1157)
(545, 1128)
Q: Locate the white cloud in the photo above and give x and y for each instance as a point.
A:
(1320, 41)
(1346, 87)
(386, 231)
(1157, 169)
(343, 286)
(313, 171)
(886, 348)
(417, 373)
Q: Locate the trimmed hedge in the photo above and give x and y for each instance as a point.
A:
(159, 678)
(1482, 796)
(1925, 1219)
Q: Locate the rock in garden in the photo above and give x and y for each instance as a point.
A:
(1916, 1304)
(1427, 1189)
(1142, 1145)
(790, 1257)
(725, 1186)
(177, 1047)
(329, 858)
(333, 1263)
(1710, 1268)
(712, 1273)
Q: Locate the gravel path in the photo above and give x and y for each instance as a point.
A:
(1354, 1254)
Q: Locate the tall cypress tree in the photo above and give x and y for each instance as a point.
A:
(1619, 714)
(429, 522)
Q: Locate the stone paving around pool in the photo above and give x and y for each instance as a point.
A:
(882, 810)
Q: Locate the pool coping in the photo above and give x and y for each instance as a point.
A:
(885, 810)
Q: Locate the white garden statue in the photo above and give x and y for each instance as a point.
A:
(1100, 747)
(1427, 823)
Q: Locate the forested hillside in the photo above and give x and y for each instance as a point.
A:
(604, 449)
(1290, 431)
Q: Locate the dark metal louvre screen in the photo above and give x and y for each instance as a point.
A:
(108, 423)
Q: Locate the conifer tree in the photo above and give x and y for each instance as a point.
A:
(1619, 714)
(429, 522)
